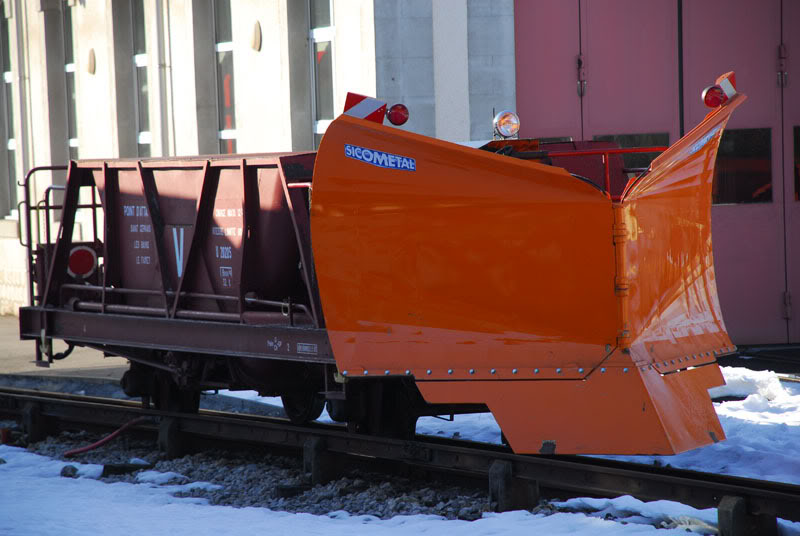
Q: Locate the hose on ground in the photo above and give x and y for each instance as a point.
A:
(106, 439)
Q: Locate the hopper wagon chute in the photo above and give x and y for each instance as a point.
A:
(394, 275)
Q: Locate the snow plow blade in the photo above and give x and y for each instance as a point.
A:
(586, 326)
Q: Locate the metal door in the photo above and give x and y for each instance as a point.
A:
(547, 45)
(630, 54)
(789, 68)
(748, 227)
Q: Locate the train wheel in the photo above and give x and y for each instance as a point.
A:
(303, 406)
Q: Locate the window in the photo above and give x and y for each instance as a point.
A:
(223, 39)
(8, 108)
(69, 75)
(321, 34)
(142, 112)
(744, 167)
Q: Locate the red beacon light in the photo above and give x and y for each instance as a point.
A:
(397, 114)
(718, 94)
(82, 262)
(713, 96)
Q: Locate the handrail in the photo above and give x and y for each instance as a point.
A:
(29, 245)
(606, 153)
(588, 152)
(191, 295)
(47, 208)
(187, 314)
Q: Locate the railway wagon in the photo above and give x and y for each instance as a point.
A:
(392, 275)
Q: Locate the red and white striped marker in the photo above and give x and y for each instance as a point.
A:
(728, 83)
(364, 107)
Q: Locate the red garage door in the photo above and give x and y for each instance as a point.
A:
(597, 69)
(612, 69)
(748, 228)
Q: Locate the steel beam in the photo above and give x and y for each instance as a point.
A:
(171, 334)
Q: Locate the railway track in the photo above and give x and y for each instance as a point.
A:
(783, 359)
(515, 481)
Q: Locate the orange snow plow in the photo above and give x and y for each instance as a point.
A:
(585, 324)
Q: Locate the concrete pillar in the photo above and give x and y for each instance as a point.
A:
(98, 134)
(262, 78)
(451, 70)
(159, 77)
(298, 56)
(492, 68)
(353, 50)
(205, 76)
(121, 50)
(179, 74)
(404, 60)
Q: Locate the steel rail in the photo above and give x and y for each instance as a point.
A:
(778, 358)
(570, 474)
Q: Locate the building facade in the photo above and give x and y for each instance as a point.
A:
(150, 78)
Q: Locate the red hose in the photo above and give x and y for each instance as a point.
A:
(105, 440)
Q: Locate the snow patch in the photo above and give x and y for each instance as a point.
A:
(660, 514)
(159, 478)
(207, 486)
(741, 382)
(254, 397)
(28, 464)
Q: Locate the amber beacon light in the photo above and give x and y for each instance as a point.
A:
(506, 124)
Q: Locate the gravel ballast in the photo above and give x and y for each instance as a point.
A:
(252, 478)
(261, 479)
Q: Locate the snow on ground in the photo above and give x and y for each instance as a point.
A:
(253, 397)
(762, 432)
(35, 499)
(477, 427)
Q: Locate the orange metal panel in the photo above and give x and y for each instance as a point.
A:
(620, 410)
(469, 261)
(670, 306)
(464, 267)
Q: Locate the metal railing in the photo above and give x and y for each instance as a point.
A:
(606, 154)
